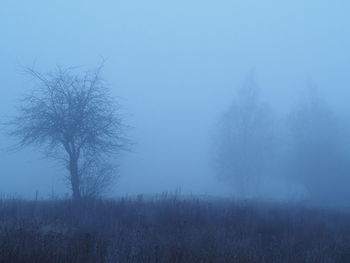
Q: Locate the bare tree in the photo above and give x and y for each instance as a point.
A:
(73, 118)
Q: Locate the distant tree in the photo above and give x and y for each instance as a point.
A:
(244, 139)
(320, 159)
(73, 118)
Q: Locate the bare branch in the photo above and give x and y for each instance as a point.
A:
(72, 117)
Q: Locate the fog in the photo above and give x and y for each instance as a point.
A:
(175, 67)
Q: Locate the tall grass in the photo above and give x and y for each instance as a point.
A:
(170, 230)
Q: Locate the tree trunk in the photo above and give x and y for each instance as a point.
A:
(74, 177)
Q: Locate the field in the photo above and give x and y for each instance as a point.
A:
(170, 229)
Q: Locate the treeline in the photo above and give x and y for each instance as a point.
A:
(310, 148)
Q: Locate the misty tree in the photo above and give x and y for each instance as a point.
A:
(320, 159)
(73, 118)
(244, 140)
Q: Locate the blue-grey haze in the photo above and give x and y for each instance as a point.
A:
(175, 66)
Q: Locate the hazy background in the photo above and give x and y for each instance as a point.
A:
(175, 66)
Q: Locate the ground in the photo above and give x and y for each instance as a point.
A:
(171, 229)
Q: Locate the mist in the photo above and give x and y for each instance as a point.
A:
(176, 67)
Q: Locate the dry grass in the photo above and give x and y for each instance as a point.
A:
(170, 230)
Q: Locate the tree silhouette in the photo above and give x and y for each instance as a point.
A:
(73, 118)
(244, 140)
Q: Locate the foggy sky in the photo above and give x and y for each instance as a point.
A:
(175, 66)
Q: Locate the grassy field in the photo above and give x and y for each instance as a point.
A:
(170, 229)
